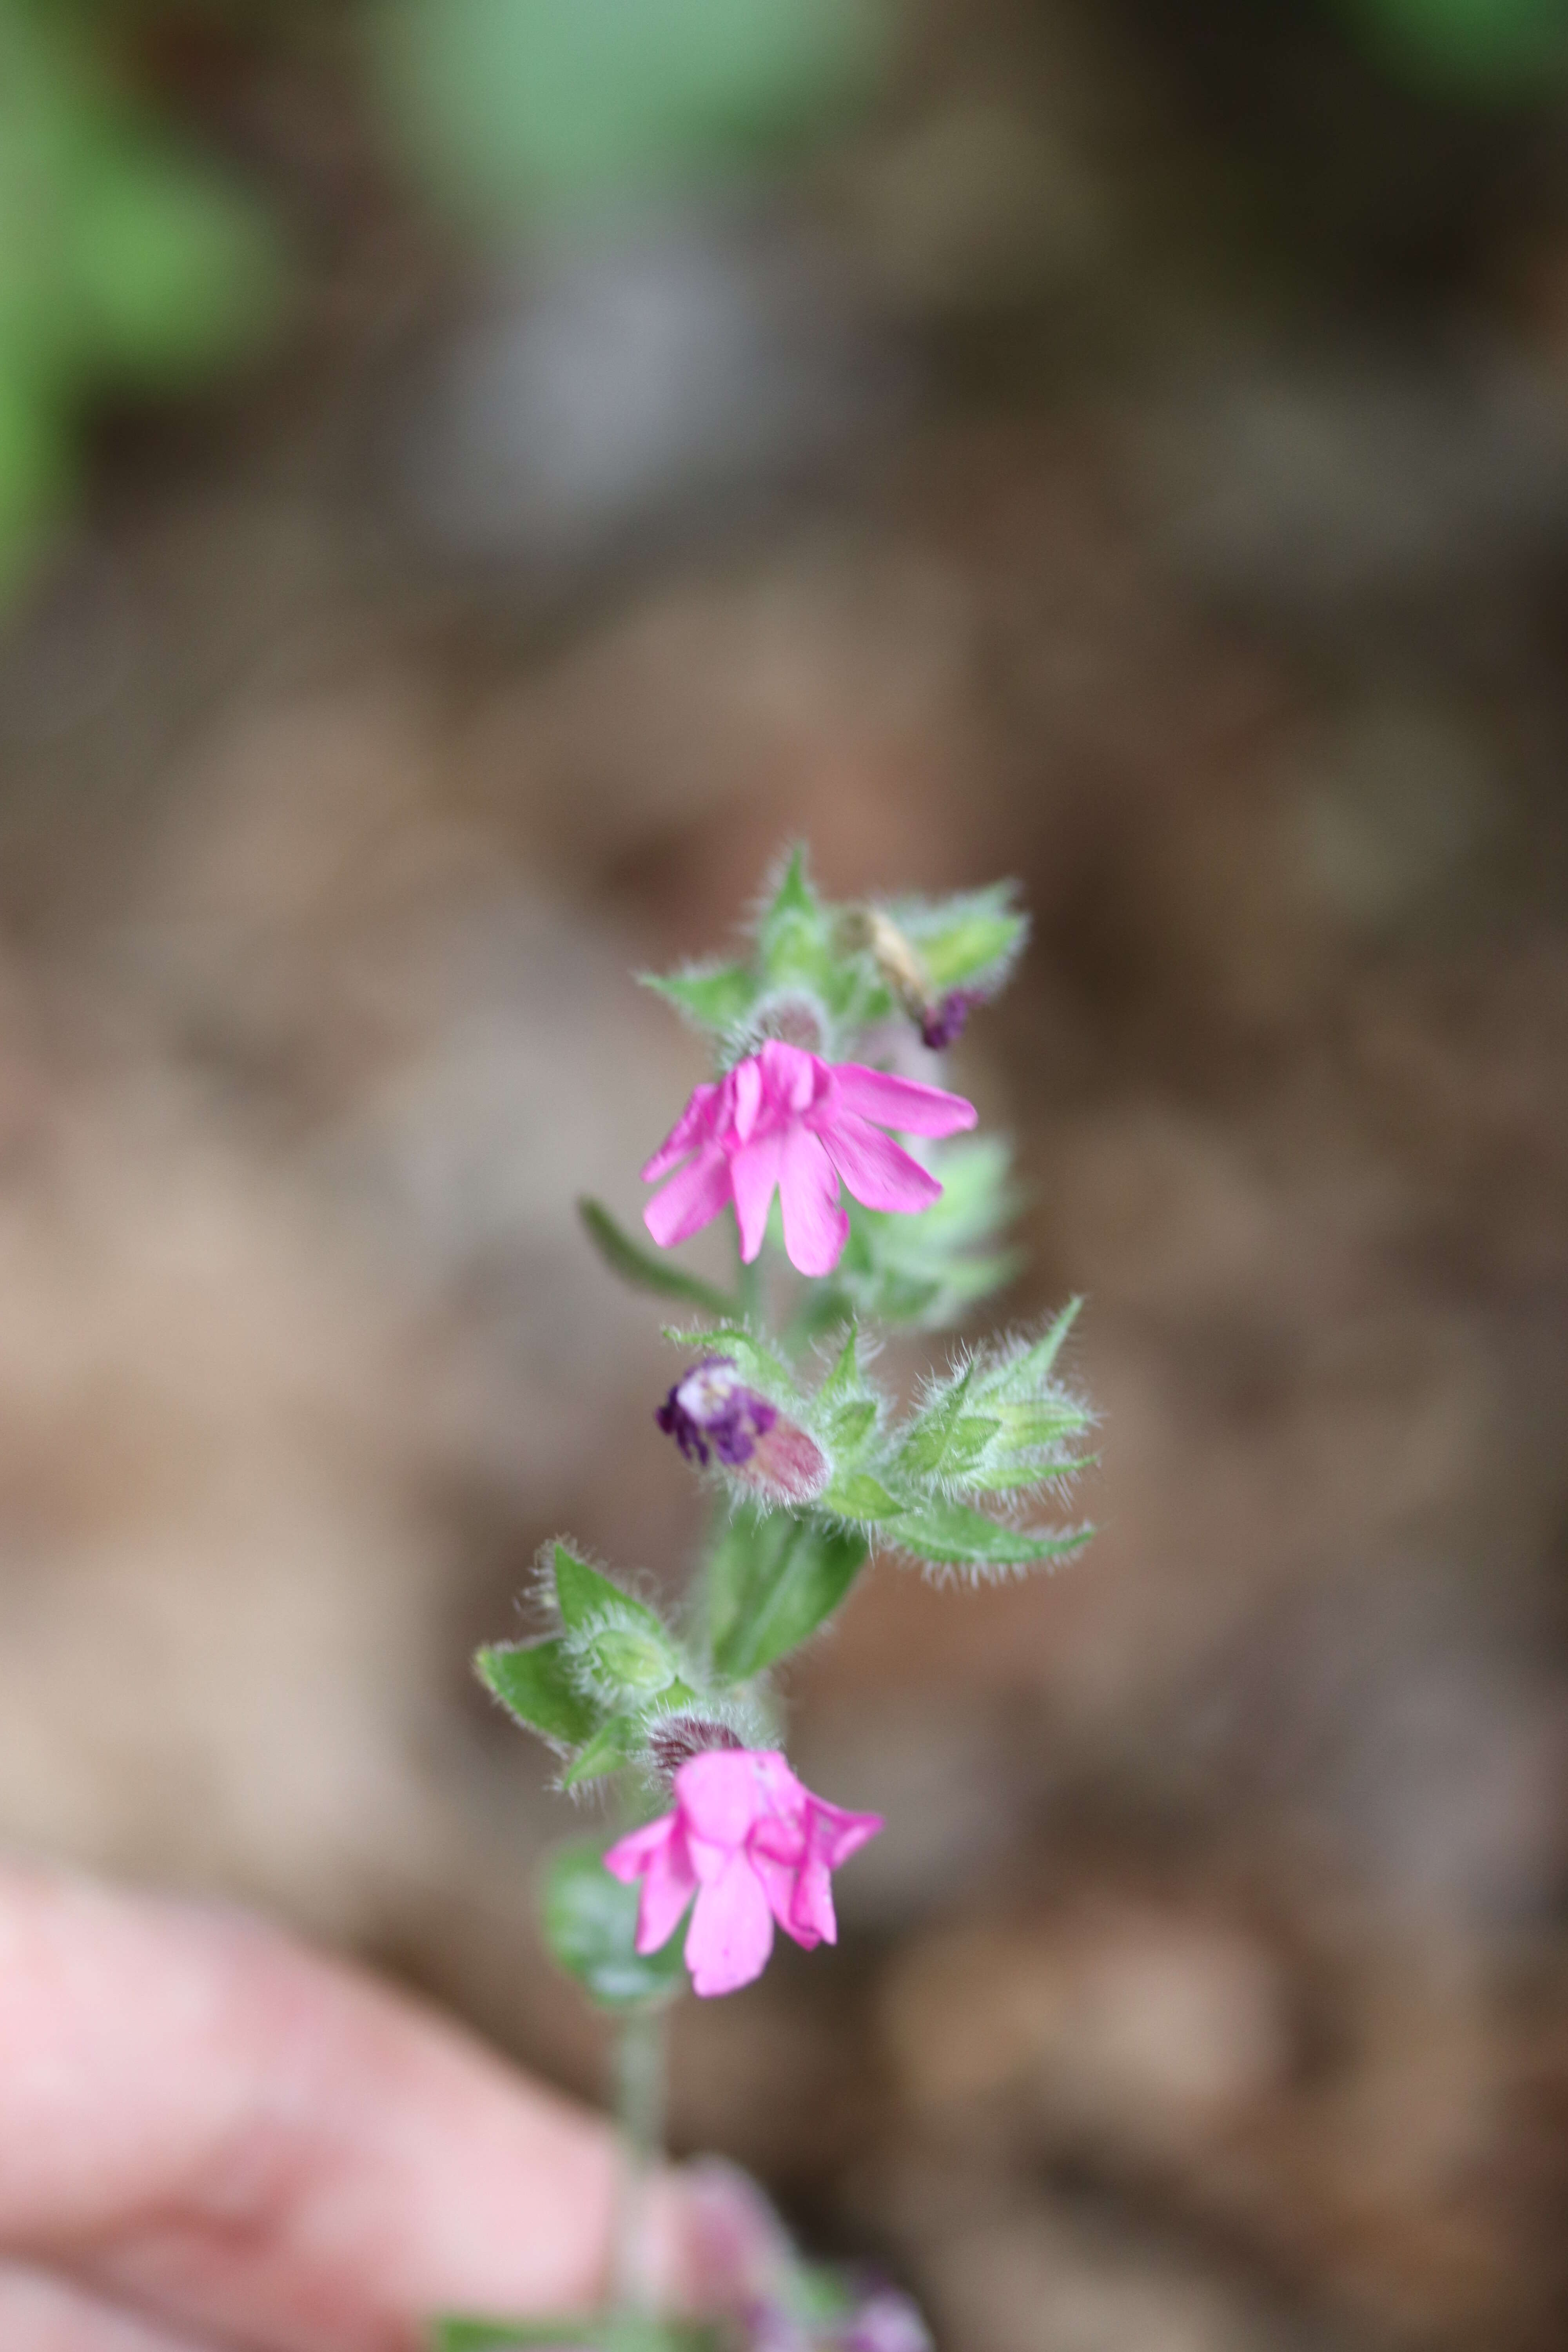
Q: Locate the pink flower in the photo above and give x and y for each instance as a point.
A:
(786, 1119)
(754, 1846)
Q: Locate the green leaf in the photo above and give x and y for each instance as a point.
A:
(950, 1535)
(642, 1269)
(606, 1752)
(773, 1580)
(532, 1682)
(590, 1926)
(586, 1597)
(713, 996)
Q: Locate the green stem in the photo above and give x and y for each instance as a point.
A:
(640, 2117)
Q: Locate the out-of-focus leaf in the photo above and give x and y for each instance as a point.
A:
(645, 1269)
(1486, 46)
(512, 103)
(615, 2332)
(590, 1926)
(176, 271)
(36, 475)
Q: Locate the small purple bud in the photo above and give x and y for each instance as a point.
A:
(944, 1024)
(710, 1410)
(709, 1406)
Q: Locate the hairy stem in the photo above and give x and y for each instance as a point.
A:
(640, 2117)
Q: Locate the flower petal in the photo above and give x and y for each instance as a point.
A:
(815, 1227)
(844, 1833)
(754, 1173)
(793, 1078)
(745, 1091)
(719, 1793)
(631, 1855)
(878, 1171)
(694, 1124)
(903, 1104)
(666, 1890)
(691, 1199)
(732, 1931)
(778, 1880)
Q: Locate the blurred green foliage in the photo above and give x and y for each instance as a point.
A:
(519, 106)
(126, 262)
(1480, 47)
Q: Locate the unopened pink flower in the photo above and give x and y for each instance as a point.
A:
(753, 1845)
(784, 1120)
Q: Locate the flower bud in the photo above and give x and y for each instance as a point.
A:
(633, 1660)
(677, 1738)
(711, 1410)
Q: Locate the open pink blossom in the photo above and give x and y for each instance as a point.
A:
(753, 1845)
(784, 1120)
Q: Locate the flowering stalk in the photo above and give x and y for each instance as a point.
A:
(858, 1180)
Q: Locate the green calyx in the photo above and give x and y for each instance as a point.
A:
(838, 969)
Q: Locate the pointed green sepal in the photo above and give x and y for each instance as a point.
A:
(860, 1495)
(711, 996)
(950, 1535)
(759, 1366)
(795, 944)
(532, 1682)
(608, 1749)
(1038, 1363)
(587, 1597)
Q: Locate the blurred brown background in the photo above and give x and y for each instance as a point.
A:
(1123, 446)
